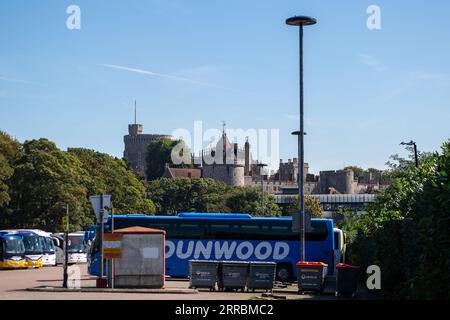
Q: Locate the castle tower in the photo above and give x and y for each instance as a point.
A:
(340, 180)
(228, 165)
(136, 143)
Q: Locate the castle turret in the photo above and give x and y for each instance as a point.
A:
(136, 143)
(341, 180)
(224, 163)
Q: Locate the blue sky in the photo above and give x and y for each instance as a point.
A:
(366, 90)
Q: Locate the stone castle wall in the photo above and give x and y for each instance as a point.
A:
(228, 173)
(341, 180)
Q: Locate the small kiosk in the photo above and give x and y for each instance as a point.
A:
(142, 261)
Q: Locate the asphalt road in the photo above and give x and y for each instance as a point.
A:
(13, 285)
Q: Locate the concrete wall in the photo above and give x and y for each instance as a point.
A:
(142, 262)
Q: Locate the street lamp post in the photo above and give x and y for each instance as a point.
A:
(300, 21)
(102, 226)
(66, 249)
(261, 167)
(412, 143)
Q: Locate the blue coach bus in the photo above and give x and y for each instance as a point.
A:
(234, 237)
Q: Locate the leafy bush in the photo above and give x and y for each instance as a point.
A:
(407, 231)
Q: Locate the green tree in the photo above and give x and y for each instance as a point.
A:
(207, 195)
(312, 206)
(405, 231)
(159, 153)
(187, 195)
(109, 175)
(45, 179)
(248, 200)
(357, 171)
(9, 152)
(9, 147)
(401, 167)
(37, 180)
(5, 174)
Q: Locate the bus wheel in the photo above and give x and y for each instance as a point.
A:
(284, 272)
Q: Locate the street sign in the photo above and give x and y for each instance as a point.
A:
(112, 245)
(95, 201)
(65, 223)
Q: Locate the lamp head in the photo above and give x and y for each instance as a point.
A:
(301, 21)
(411, 143)
(261, 165)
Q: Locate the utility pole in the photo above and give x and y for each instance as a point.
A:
(300, 21)
(415, 155)
(135, 112)
(414, 145)
(100, 203)
(102, 225)
(112, 271)
(261, 167)
(110, 261)
(66, 248)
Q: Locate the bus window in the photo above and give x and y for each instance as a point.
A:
(57, 242)
(219, 231)
(32, 245)
(14, 246)
(336, 240)
(190, 230)
(47, 244)
(96, 244)
(76, 244)
(163, 226)
(280, 231)
(224, 231)
(318, 232)
(251, 231)
(261, 230)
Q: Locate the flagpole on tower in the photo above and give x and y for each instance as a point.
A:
(135, 112)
